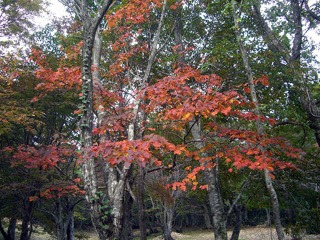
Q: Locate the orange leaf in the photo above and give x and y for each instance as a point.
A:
(226, 110)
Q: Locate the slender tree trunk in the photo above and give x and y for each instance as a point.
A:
(11, 231)
(135, 127)
(216, 205)
(90, 27)
(211, 176)
(269, 184)
(140, 202)
(60, 232)
(70, 227)
(167, 223)
(214, 191)
(237, 226)
(207, 217)
(127, 218)
(26, 220)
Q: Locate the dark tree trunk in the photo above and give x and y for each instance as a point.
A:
(238, 222)
(70, 228)
(26, 228)
(140, 202)
(64, 220)
(11, 231)
(126, 233)
(60, 233)
(207, 217)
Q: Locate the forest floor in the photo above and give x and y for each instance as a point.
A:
(249, 233)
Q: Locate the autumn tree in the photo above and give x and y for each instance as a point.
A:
(164, 93)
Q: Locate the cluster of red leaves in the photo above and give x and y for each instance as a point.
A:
(188, 94)
(64, 77)
(133, 13)
(59, 191)
(140, 150)
(190, 179)
(256, 151)
(43, 157)
(127, 21)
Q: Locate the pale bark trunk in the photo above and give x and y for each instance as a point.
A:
(216, 205)
(115, 182)
(90, 26)
(269, 184)
(214, 191)
(168, 219)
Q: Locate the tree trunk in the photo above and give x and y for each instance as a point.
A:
(216, 205)
(127, 218)
(26, 220)
(237, 226)
(260, 130)
(140, 202)
(211, 176)
(90, 26)
(167, 223)
(70, 228)
(206, 216)
(275, 205)
(60, 233)
(11, 231)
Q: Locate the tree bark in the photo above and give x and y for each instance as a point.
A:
(70, 228)
(126, 233)
(237, 227)
(214, 190)
(11, 231)
(140, 202)
(269, 184)
(26, 220)
(90, 26)
(168, 219)
(206, 216)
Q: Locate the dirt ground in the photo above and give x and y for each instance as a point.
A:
(252, 233)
